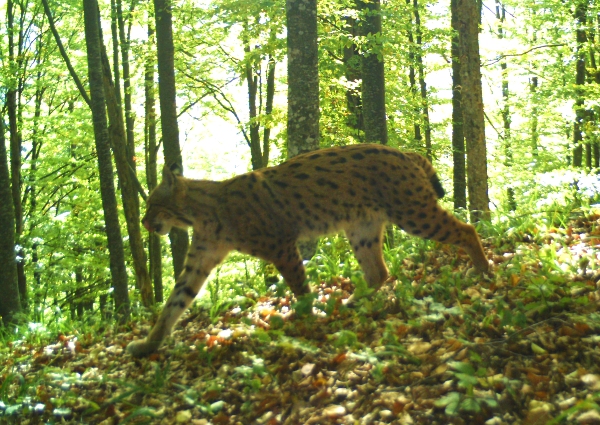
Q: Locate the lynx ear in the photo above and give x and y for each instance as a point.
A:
(169, 174)
(176, 169)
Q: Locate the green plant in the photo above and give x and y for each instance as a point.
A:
(470, 402)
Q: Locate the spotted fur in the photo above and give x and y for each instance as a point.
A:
(357, 189)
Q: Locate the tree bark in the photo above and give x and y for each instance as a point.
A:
(422, 83)
(373, 78)
(15, 149)
(259, 149)
(580, 71)
(10, 304)
(303, 87)
(129, 196)
(124, 39)
(303, 77)
(352, 64)
(151, 164)
(168, 113)
(107, 189)
(412, 79)
(459, 176)
(506, 118)
(473, 117)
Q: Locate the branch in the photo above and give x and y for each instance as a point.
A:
(64, 53)
(499, 58)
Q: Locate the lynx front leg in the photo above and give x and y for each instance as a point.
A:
(202, 257)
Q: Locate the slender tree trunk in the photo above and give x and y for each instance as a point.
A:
(107, 189)
(412, 79)
(116, 134)
(15, 147)
(168, 113)
(422, 83)
(259, 149)
(506, 119)
(459, 177)
(268, 109)
(115, 46)
(580, 64)
(252, 83)
(36, 302)
(124, 39)
(151, 166)
(595, 142)
(352, 64)
(533, 84)
(10, 304)
(373, 78)
(303, 77)
(473, 118)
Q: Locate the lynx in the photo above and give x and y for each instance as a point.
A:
(357, 189)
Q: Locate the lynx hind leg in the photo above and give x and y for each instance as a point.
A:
(435, 223)
(366, 239)
(201, 259)
(289, 263)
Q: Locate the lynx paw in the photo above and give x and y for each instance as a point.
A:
(141, 348)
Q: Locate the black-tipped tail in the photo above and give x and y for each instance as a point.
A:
(437, 186)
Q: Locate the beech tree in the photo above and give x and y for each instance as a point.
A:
(151, 152)
(373, 75)
(168, 112)
(303, 77)
(459, 173)
(10, 303)
(107, 189)
(469, 18)
(15, 86)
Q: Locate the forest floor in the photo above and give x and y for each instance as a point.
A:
(436, 345)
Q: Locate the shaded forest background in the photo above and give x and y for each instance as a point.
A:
(540, 79)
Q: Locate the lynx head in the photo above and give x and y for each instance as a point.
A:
(163, 205)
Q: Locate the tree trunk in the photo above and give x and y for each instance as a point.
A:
(506, 119)
(303, 77)
(10, 304)
(15, 149)
(107, 189)
(373, 78)
(594, 142)
(168, 113)
(422, 84)
(124, 39)
(412, 79)
(473, 118)
(580, 64)
(151, 167)
(252, 83)
(129, 196)
(268, 109)
(303, 87)
(352, 64)
(533, 84)
(259, 149)
(459, 177)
